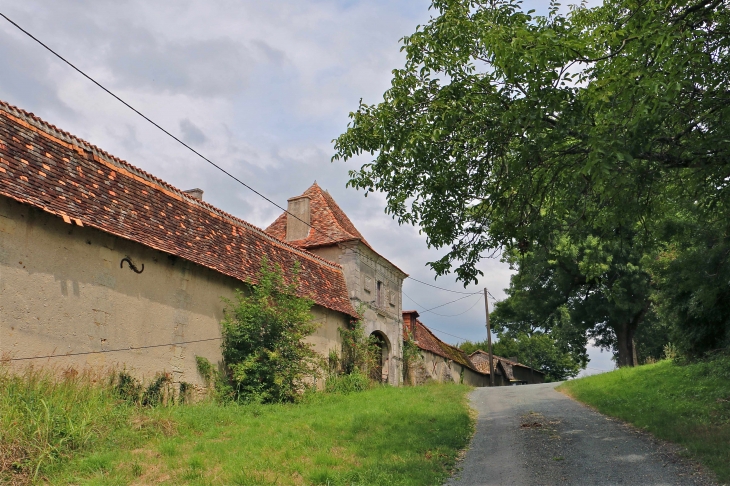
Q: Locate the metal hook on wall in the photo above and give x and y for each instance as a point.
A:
(132, 266)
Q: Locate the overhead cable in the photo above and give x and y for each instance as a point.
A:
(441, 288)
(129, 348)
(169, 134)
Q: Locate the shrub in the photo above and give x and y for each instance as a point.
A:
(263, 332)
(217, 383)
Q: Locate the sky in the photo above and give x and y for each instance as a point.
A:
(260, 88)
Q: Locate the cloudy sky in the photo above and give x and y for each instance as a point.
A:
(261, 88)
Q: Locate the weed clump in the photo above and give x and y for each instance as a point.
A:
(46, 417)
(347, 383)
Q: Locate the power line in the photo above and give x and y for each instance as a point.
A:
(155, 124)
(144, 116)
(444, 315)
(447, 303)
(440, 288)
(444, 332)
(206, 159)
(129, 348)
(166, 132)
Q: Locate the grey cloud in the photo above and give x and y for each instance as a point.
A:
(26, 79)
(206, 68)
(191, 133)
(275, 56)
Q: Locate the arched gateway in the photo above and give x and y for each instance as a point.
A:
(380, 371)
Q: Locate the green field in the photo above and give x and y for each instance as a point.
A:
(686, 404)
(76, 431)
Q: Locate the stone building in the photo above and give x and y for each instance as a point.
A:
(105, 264)
(506, 371)
(438, 361)
(314, 222)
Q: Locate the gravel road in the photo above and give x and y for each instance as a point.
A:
(530, 435)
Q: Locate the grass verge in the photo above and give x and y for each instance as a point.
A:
(408, 436)
(685, 404)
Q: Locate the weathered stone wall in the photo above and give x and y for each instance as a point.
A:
(432, 367)
(62, 291)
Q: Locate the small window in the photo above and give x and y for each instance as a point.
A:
(379, 295)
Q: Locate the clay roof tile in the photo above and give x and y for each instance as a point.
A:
(130, 207)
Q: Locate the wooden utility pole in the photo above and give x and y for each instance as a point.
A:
(489, 340)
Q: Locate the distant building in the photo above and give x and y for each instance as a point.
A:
(506, 371)
(439, 361)
(315, 223)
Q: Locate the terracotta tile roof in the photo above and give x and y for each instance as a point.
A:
(61, 174)
(427, 341)
(329, 223)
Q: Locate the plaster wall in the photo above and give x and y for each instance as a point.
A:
(62, 291)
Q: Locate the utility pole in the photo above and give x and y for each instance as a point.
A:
(489, 340)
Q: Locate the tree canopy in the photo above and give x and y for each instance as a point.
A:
(585, 145)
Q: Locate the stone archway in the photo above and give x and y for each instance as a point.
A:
(380, 372)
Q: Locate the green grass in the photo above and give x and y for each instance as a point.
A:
(380, 436)
(685, 404)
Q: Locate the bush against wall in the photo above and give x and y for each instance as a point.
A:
(360, 353)
(264, 352)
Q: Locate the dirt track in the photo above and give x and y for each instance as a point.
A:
(530, 435)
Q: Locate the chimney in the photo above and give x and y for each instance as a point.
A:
(196, 193)
(409, 320)
(298, 218)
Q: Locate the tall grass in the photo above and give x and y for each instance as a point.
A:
(48, 416)
(82, 428)
(687, 404)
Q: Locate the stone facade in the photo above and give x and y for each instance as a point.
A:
(375, 287)
(374, 284)
(62, 291)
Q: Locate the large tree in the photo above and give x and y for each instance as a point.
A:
(507, 131)
(595, 288)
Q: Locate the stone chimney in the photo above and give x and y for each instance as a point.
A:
(196, 193)
(298, 218)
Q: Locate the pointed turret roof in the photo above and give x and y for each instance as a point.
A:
(329, 224)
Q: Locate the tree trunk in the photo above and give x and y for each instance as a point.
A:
(625, 344)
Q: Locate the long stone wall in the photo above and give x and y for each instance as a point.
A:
(432, 367)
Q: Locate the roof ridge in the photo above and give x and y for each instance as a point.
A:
(41, 124)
